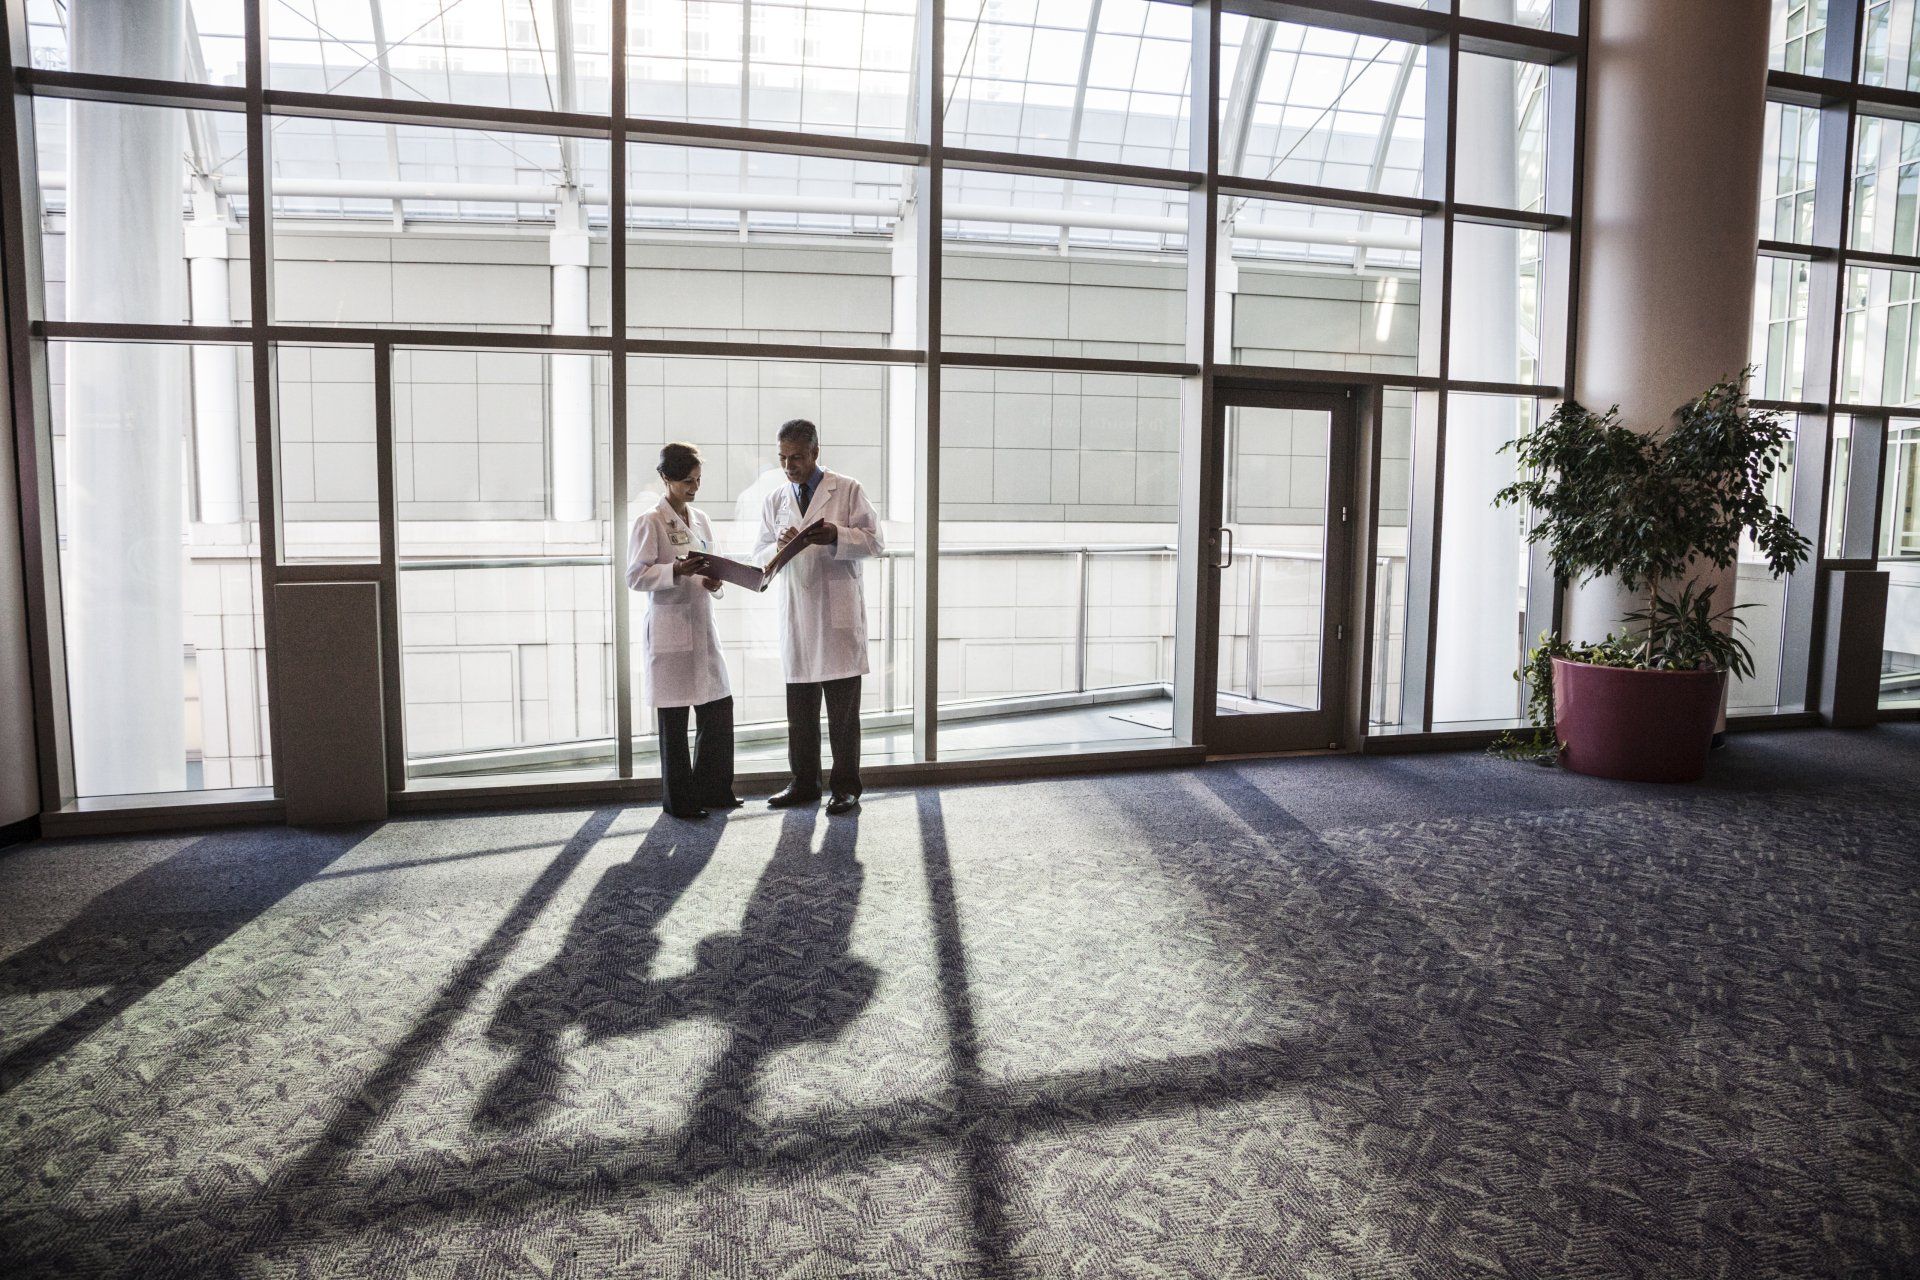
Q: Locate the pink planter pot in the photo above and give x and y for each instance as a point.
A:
(1638, 726)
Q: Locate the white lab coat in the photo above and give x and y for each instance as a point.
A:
(682, 665)
(823, 613)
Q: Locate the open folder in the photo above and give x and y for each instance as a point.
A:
(752, 576)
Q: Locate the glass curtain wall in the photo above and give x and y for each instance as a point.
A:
(507, 254)
(1836, 343)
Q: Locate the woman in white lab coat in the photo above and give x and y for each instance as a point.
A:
(683, 666)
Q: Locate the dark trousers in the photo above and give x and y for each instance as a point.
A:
(843, 733)
(707, 778)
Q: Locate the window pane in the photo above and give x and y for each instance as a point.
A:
(730, 410)
(1012, 286)
(119, 205)
(343, 191)
(1496, 303)
(1480, 607)
(502, 479)
(1501, 156)
(773, 64)
(1014, 79)
(495, 56)
(1838, 478)
(1878, 347)
(1779, 328)
(1273, 590)
(1787, 173)
(1390, 580)
(1763, 601)
(1537, 14)
(1057, 534)
(1798, 42)
(1886, 187)
(1281, 305)
(151, 39)
(328, 459)
(166, 676)
(1322, 107)
(1900, 557)
(1886, 44)
(817, 266)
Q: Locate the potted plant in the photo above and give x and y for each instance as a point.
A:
(1612, 501)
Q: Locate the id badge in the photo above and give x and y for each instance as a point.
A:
(679, 538)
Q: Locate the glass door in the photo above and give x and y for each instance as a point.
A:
(1280, 634)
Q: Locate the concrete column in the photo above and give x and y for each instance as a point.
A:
(1226, 287)
(216, 369)
(1676, 113)
(570, 431)
(1480, 596)
(126, 411)
(19, 754)
(902, 426)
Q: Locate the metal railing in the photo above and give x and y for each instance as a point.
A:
(894, 702)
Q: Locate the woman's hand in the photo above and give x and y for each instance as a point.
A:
(712, 584)
(688, 564)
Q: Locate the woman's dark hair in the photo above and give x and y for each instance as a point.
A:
(677, 461)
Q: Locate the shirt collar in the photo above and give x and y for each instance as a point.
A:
(813, 481)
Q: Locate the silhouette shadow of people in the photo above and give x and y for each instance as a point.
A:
(783, 979)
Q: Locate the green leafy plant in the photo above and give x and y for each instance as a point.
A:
(1539, 745)
(1611, 501)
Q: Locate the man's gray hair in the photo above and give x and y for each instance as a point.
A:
(799, 431)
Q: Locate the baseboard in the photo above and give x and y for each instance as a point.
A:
(28, 828)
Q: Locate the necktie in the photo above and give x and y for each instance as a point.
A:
(806, 493)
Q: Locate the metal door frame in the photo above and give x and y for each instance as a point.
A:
(1341, 639)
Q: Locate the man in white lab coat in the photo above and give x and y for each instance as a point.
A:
(823, 613)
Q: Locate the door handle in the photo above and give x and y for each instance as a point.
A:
(1227, 536)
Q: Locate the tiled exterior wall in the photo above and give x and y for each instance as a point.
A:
(522, 656)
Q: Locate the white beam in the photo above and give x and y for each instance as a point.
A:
(570, 426)
(121, 562)
(504, 193)
(216, 368)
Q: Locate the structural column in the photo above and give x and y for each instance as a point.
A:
(216, 369)
(1676, 110)
(570, 434)
(126, 411)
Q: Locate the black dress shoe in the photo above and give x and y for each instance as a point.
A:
(843, 804)
(792, 796)
(688, 815)
(731, 802)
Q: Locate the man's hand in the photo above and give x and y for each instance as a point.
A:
(690, 564)
(786, 535)
(823, 532)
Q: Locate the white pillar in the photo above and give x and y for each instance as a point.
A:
(126, 411)
(902, 428)
(1676, 117)
(216, 389)
(1226, 287)
(1479, 600)
(570, 433)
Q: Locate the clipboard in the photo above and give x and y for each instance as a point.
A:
(752, 576)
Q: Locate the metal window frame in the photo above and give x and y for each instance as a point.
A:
(1841, 101)
(1446, 34)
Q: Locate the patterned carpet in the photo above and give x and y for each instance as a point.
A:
(1415, 1016)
